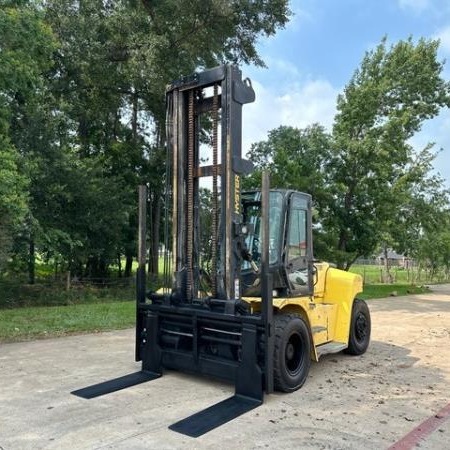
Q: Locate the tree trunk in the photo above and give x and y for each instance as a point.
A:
(102, 268)
(350, 263)
(343, 237)
(134, 118)
(89, 269)
(31, 262)
(119, 264)
(157, 191)
(128, 264)
(388, 276)
(341, 246)
(155, 230)
(134, 135)
(83, 134)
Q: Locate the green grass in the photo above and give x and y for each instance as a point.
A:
(25, 323)
(405, 281)
(46, 309)
(386, 290)
(372, 274)
(14, 293)
(39, 322)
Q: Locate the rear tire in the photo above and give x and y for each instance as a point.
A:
(360, 327)
(292, 357)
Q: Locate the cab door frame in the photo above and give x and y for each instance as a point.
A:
(298, 252)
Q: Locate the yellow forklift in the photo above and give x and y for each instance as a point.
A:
(251, 306)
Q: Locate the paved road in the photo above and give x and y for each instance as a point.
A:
(347, 403)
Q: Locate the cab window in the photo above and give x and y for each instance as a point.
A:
(297, 237)
(297, 259)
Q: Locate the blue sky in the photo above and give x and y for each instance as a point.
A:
(313, 58)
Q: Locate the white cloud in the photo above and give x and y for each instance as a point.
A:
(417, 6)
(444, 36)
(442, 162)
(282, 66)
(314, 101)
(299, 16)
(298, 105)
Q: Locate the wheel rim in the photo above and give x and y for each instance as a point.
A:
(293, 354)
(361, 327)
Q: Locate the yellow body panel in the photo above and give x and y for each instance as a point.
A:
(328, 312)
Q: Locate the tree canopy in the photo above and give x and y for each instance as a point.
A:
(25, 54)
(82, 100)
(371, 185)
(82, 123)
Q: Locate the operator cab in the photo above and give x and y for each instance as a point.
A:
(290, 243)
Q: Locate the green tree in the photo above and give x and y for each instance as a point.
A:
(25, 55)
(445, 248)
(295, 159)
(111, 69)
(420, 201)
(370, 187)
(13, 198)
(385, 103)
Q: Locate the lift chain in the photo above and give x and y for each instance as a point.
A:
(190, 197)
(215, 119)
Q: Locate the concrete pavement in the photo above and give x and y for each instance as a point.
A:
(368, 402)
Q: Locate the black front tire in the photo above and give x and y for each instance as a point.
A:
(292, 352)
(360, 328)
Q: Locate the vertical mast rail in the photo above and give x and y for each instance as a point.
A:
(167, 193)
(142, 253)
(266, 284)
(142, 250)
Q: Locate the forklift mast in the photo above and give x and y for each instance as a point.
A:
(187, 101)
(188, 327)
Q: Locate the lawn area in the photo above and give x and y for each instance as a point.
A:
(20, 324)
(386, 290)
(372, 274)
(405, 281)
(15, 293)
(47, 309)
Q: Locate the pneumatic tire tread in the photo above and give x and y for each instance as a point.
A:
(290, 374)
(360, 328)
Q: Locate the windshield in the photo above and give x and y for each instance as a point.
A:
(252, 216)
